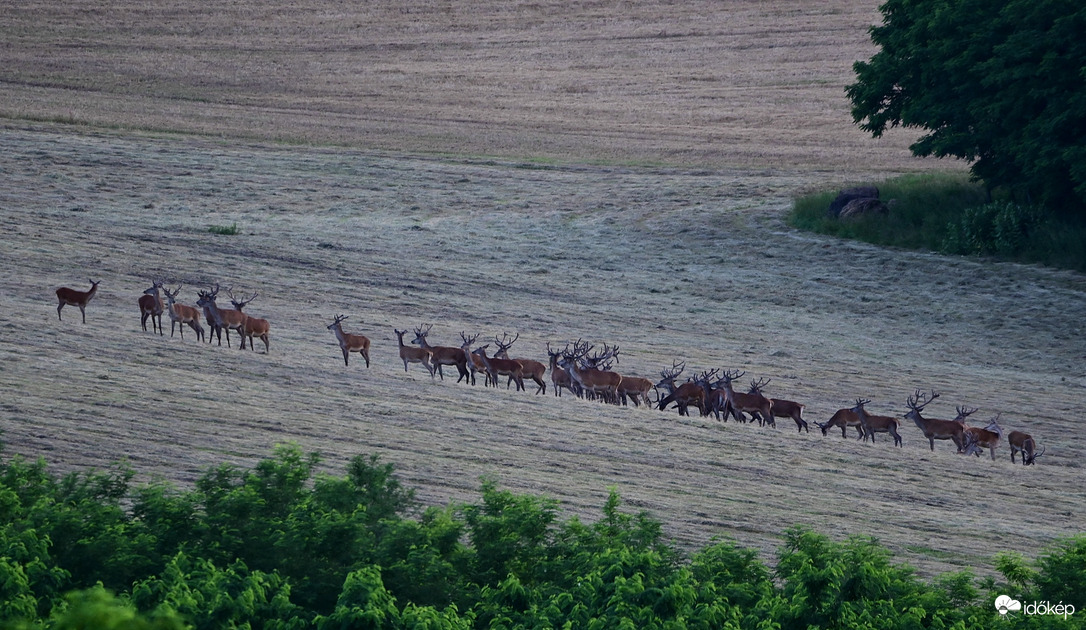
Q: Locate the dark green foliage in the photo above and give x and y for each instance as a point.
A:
(999, 83)
(278, 547)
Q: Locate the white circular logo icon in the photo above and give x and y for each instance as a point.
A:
(1004, 604)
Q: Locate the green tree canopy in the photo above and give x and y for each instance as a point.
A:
(999, 83)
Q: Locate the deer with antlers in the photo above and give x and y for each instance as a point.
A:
(975, 438)
(932, 428)
(843, 418)
(151, 306)
(875, 424)
(411, 354)
(224, 320)
(559, 376)
(501, 367)
(583, 369)
(531, 369)
(690, 393)
(181, 314)
(443, 355)
(756, 405)
(475, 363)
(1023, 443)
(781, 408)
(350, 343)
(251, 326)
(80, 299)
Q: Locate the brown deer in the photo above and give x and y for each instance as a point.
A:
(755, 404)
(350, 343)
(532, 369)
(843, 418)
(72, 297)
(475, 364)
(781, 408)
(1023, 443)
(635, 389)
(251, 326)
(180, 314)
(443, 355)
(689, 393)
(559, 376)
(876, 424)
(410, 354)
(932, 428)
(601, 383)
(151, 306)
(976, 438)
(224, 320)
(503, 367)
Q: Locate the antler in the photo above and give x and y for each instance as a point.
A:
(468, 340)
(504, 343)
(340, 318)
(860, 402)
(756, 386)
(674, 371)
(730, 375)
(964, 412)
(422, 333)
(914, 401)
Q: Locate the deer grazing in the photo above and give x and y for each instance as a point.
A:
(976, 438)
(224, 320)
(151, 306)
(501, 367)
(934, 429)
(689, 393)
(780, 408)
(755, 404)
(251, 326)
(350, 343)
(875, 424)
(181, 314)
(1023, 443)
(411, 354)
(72, 297)
(559, 376)
(531, 369)
(443, 355)
(843, 418)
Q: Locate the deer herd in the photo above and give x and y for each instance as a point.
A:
(580, 369)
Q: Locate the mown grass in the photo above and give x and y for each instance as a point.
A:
(225, 230)
(948, 213)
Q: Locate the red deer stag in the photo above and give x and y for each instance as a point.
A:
(559, 376)
(443, 355)
(410, 354)
(224, 320)
(781, 408)
(636, 389)
(689, 393)
(180, 314)
(754, 404)
(1023, 443)
(843, 418)
(501, 367)
(532, 369)
(475, 363)
(976, 438)
(251, 326)
(934, 429)
(71, 297)
(603, 384)
(876, 424)
(350, 343)
(151, 306)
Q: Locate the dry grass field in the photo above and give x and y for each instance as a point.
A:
(617, 172)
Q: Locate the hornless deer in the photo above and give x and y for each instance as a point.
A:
(181, 314)
(504, 367)
(350, 343)
(635, 389)
(443, 355)
(151, 305)
(68, 296)
(689, 393)
(602, 383)
(532, 369)
(251, 326)
(559, 376)
(754, 404)
(988, 437)
(225, 320)
(934, 429)
(410, 354)
(781, 408)
(1023, 442)
(876, 424)
(843, 418)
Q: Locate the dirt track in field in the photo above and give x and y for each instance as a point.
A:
(601, 217)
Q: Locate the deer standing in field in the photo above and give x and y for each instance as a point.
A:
(475, 364)
(411, 354)
(559, 376)
(685, 395)
(181, 314)
(531, 368)
(781, 408)
(80, 299)
(843, 418)
(151, 306)
(932, 428)
(875, 424)
(251, 326)
(601, 383)
(976, 438)
(350, 343)
(443, 355)
(501, 367)
(225, 320)
(636, 389)
(1021, 442)
(754, 404)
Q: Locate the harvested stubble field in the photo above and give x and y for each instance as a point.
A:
(610, 171)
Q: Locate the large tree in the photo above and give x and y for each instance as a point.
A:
(999, 83)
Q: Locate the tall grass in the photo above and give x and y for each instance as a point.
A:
(947, 213)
